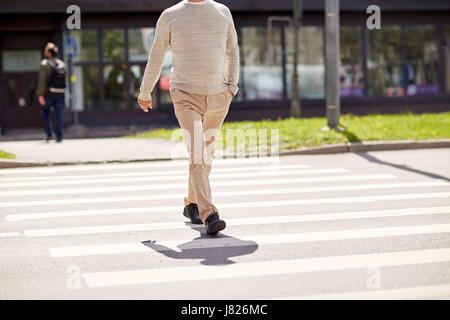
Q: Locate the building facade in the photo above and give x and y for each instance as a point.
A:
(403, 66)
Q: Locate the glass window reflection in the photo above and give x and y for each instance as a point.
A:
(87, 95)
(421, 51)
(447, 56)
(114, 87)
(113, 44)
(86, 45)
(384, 64)
(311, 69)
(262, 71)
(140, 41)
(137, 73)
(351, 74)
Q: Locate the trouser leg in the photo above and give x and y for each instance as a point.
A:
(216, 111)
(189, 109)
(58, 107)
(45, 112)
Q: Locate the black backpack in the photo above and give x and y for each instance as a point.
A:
(57, 75)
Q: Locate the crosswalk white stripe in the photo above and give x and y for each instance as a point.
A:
(240, 221)
(410, 196)
(250, 182)
(247, 240)
(9, 234)
(16, 204)
(265, 268)
(253, 204)
(270, 161)
(423, 293)
(154, 173)
(148, 177)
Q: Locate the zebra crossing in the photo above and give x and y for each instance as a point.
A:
(297, 228)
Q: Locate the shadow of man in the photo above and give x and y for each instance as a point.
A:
(214, 250)
(374, 159)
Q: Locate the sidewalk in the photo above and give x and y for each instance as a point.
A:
(81, 132)
(89, 150)
(103, 150)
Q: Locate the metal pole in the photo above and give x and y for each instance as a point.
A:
(71, 94)
(332, 62)
(295, 102)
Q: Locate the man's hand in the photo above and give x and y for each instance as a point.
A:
(41, 100)
(145, 104)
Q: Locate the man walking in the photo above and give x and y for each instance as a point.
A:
(204, 78)
(50, 90)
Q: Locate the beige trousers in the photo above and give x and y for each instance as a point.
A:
(200, 117)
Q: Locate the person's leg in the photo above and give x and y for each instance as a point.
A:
(58, 105)
(216, 110)
(186, 113)
(45, 112)
(189, 109)
(217, 106)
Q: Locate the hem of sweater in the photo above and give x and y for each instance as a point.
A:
(197, 89)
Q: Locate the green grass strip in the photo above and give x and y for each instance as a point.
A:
(306, 132)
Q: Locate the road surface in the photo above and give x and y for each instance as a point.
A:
(343, 226)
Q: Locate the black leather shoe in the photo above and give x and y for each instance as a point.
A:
(214, 224)
(191, 212)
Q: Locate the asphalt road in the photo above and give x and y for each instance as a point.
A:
(342, 226)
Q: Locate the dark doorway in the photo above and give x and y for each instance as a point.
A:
(20, 56)
(20, 107)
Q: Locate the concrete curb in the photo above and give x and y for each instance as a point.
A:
(329, 149)
(371, 146)
(5, 163)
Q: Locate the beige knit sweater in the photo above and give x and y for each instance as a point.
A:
(205, 51)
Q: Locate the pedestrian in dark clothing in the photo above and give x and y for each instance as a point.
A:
(51, 88)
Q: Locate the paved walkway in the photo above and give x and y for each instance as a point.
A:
(106, 145)
(342, 226)
(100, 149)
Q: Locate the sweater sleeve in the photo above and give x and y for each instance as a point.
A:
(156, 57)
(42, 80)
(232, 53)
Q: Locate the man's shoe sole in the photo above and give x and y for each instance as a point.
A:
(218, 226)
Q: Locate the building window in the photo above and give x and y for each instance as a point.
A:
(137, 72)
(447, 56)
(403, 69)
(21, 60)
(86, 45)
(164, 80)
(261, 64)
(136, 75)
(113, 44)
(421, 50)
(140, 42)
(85, 78)
(311, 69)
(351, 74)
(384, 65)
(85, 87)
(114, 87)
